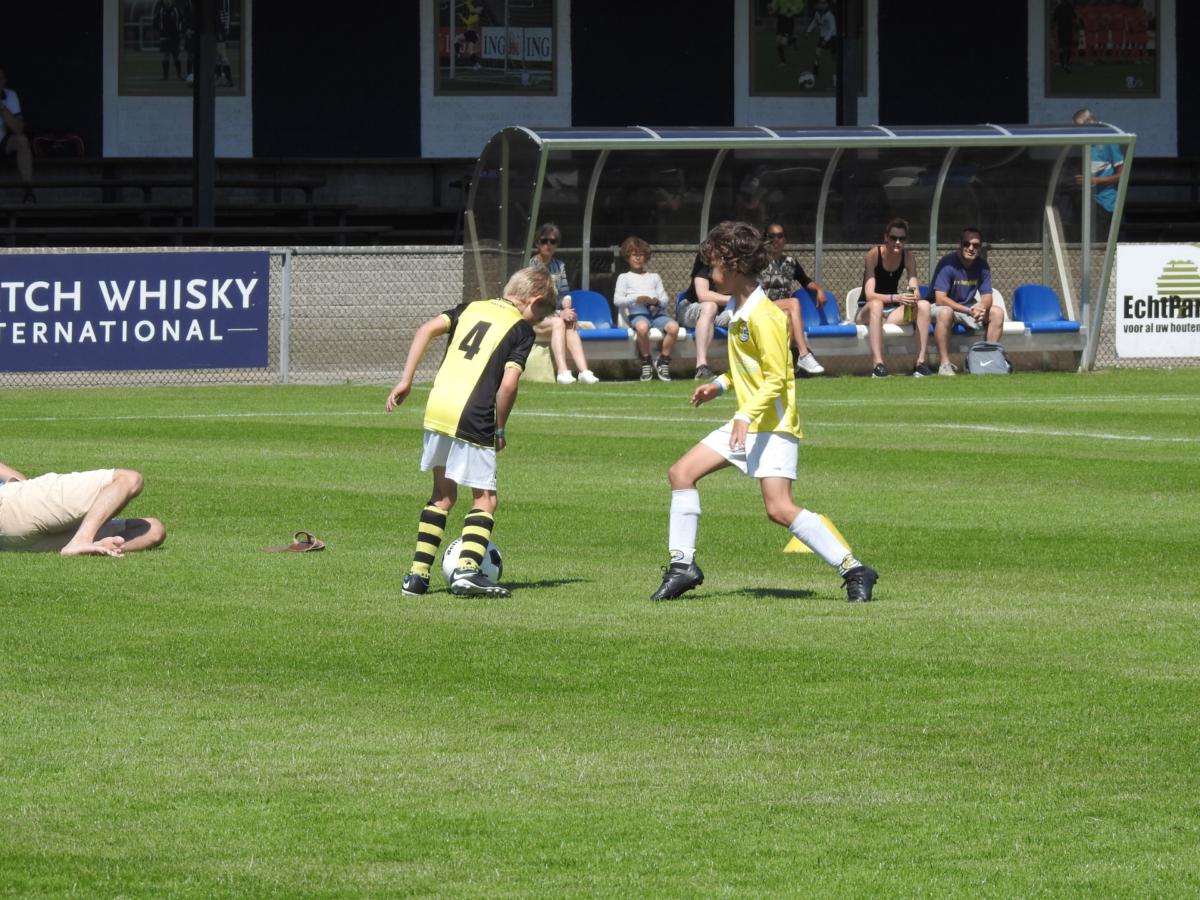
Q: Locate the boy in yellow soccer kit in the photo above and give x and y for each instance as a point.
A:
(762, 438)
(469, 404)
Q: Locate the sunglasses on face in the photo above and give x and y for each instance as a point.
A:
(774, 234)
(898, 238)
(974, 245)
(547, 240)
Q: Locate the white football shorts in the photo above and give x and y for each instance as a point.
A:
(768, 454)
(466, 464)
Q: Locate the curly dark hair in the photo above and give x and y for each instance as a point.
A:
(736, 246)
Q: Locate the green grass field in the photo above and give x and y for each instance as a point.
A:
(1017, 715)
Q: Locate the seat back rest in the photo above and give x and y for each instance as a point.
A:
(829, 314)
(852, 296)
(1036, 303)
(592, 306)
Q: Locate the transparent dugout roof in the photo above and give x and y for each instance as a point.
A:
(828, 186)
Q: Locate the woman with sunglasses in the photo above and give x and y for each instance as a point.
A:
(778, 280)
(561, 327)
(883, 301)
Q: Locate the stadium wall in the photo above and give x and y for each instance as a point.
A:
(162, 126)
(356, 82)
(1152, 119)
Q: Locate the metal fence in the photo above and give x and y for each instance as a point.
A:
(341, 314)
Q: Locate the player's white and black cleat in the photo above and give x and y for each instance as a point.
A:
(472, 582)
(678, 579)
(414, 585)
(859, 583)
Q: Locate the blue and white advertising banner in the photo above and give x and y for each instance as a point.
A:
(105, 311)
(1158, 300)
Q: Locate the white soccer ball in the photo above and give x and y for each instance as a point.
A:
(492, 566)
(807, 80)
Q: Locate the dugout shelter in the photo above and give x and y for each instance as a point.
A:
(833, 188)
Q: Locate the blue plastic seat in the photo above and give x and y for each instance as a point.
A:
(823, 321)
(592, 306)
(1037, 306)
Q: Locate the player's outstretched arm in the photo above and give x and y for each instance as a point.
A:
(420, 342)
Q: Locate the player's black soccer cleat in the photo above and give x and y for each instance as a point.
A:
(414, 585)
(678, 579)
(472, 582)
(859, 583)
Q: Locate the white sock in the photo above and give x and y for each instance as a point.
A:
(685, 522)
(809, 528)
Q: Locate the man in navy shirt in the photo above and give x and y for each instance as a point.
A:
(962, 291)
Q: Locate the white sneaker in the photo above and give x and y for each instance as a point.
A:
(809, 364)
(565, 378)
(588, 377)
(946, 368)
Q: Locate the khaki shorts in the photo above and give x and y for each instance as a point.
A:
(43, 513)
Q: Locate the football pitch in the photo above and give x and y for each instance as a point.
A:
(1016, 715)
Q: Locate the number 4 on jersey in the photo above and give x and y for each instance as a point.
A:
(473, 340)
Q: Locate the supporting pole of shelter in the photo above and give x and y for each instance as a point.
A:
(849, 61)
(204, 115)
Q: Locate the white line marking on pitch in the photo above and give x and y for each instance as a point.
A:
(699, 420)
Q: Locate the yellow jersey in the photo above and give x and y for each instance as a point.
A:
(760, 367)
(486, 337)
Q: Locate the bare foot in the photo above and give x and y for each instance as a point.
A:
(109, 546)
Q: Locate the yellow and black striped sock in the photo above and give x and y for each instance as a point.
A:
(429, 538)
(477, 532)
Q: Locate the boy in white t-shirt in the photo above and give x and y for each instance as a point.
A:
(643, 299)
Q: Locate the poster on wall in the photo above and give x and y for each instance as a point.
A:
(795, 46)
(134, 311)
(1158, 300)
(157, 49)
(1102, 49)
(503, 47)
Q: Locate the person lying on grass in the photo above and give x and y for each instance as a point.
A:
(74, 513)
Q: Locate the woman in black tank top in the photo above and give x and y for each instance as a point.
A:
(885, 299)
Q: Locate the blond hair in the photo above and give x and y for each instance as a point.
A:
(533, 281)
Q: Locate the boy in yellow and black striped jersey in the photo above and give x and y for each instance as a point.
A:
(762, 438)
(472, 397)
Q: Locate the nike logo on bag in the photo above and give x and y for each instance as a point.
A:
(986, 363)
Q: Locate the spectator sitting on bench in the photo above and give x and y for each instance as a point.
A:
(701, 309)
(13, 140)
(962, 289)
(882, 300)
(643, 299)
(562, 326)
(778, 279)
